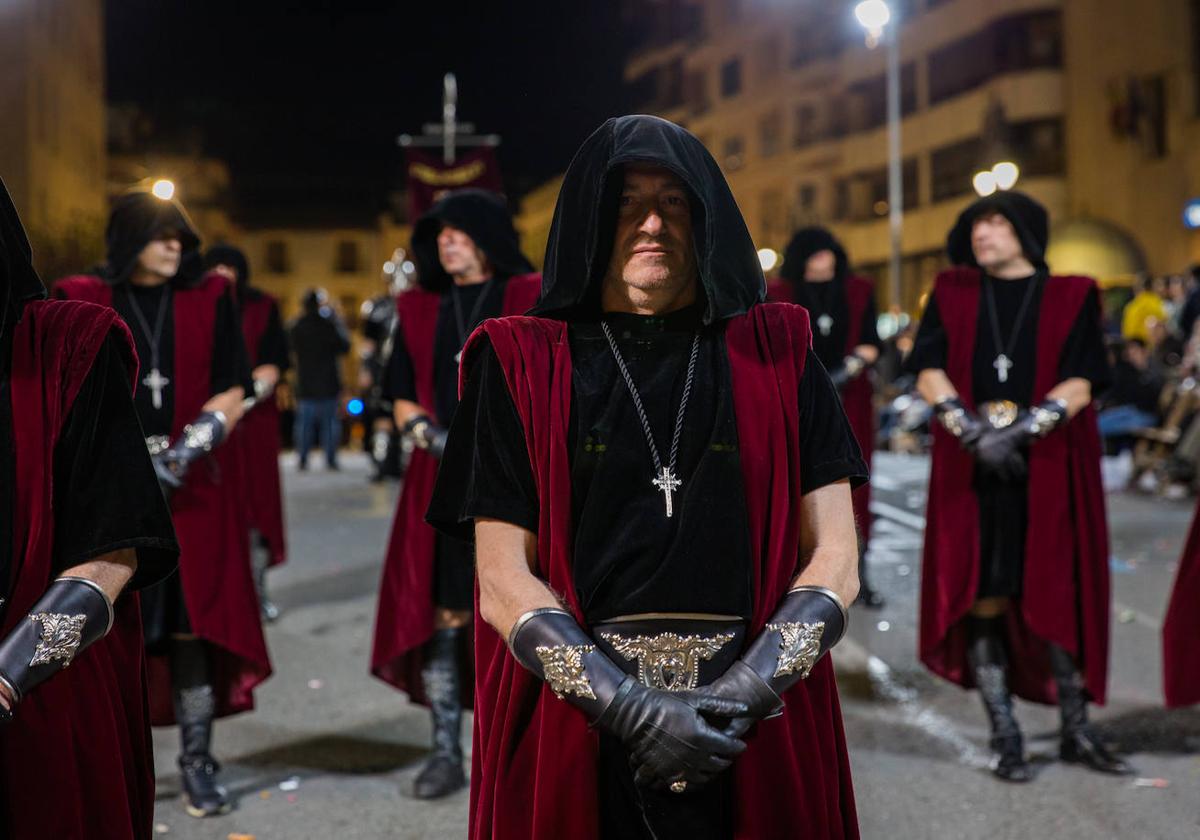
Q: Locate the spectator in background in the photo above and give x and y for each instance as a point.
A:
(318, 342)
(1132, 402)
(1144, 314)
(1191, 306)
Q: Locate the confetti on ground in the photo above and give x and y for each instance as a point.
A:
(1151, 783)
(290, 784)
(264, 794)
(161, 828)
(241, 837)
(1127, 616)
(291, 797)
(316, 684)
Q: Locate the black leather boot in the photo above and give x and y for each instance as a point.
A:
(867, 596)
(986, 656)
(1080, 744)
(443, 771)
(195, 707)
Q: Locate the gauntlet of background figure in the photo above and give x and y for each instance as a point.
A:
(73, 613)
(201, 436)
(960, 421)
(850, 369)
(810, 620)
(667, 738)
(426, 434)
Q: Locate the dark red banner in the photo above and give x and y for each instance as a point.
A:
(429, 177)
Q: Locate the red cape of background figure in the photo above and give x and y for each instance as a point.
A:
(214, 562)
(530, 747)
(77, 760)
(404, 619)
(1181, 628)
(258, 442)
(1065, 594)
(858, 394)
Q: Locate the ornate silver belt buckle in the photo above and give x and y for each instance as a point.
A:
(157, 444)
(668, 661)
(1000, 414)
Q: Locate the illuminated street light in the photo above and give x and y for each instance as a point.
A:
(1006, 174)
(768, 258)
(984, 183)
(873, 16)
(163, 189)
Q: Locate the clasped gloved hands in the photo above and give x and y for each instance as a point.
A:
(1001, 452)
(669, 741)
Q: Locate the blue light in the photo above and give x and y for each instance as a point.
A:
(1191, 214)
(355, 407)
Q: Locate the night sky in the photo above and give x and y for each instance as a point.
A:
(305, 99)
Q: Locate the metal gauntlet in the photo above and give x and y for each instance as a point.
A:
(959, 421)
(850, 369)
(426, 434)
(201, 436)
(551, 644)
(810, 621)
(1047, 417)
(72, 614)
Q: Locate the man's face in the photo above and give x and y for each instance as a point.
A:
(161, 255)
(994, 241)
(652, 246)
(820, 267)
(226, 271)
(459, 254)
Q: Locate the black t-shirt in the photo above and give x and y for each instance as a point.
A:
(106, 496)
(829, 311)
(456, 320)
(628, 557)
(1083, 354)
(229, 366)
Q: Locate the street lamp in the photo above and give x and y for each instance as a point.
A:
(874, 16)
(163, 189)
(768, 258)
(1002, 176)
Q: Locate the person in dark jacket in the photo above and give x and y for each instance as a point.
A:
(318, 341)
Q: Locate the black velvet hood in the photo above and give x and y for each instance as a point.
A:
(1028, 218)
(19, 281)
(138, 217)
(806, 242)
(484, 217)
(580, 242)
(229, 255)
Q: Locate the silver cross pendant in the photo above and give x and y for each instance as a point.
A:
(668, 484)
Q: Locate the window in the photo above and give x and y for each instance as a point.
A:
(953, 167)
(347, 257)
(821, 37)
(805, 210)
(695, 92)
(863, 196)
(277, 257)
(1037, 147)
(804, 127)
(768, 59)
(733, 153)
(1021, 42)
(773, 221)
(770, 134)
(866, 106)
(731, 78)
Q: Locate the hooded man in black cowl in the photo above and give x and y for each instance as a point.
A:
(657, 475)
(1015, 590)
(470, 268)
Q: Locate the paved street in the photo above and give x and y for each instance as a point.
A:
(331, 752)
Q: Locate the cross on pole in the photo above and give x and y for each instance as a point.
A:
(450, 134)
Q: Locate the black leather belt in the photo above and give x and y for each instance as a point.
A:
(672, 651)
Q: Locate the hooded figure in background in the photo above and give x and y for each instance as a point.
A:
(470, 268)
(258, 438)
(1015, 588)
(640, 465)
(816, 275)
(82, 524)
(202, 628)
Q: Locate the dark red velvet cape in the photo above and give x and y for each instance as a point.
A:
(404, 619)
(534, 769)
(77, 759)
(1181, 628)
(258, 442)
(1066, 578)
(857, 395)
(214, 563)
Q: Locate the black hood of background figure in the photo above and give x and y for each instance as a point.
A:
(19, 281)
(806, 242)
(138, 217)
(481, 215)
(1027, 216)
(581, 236)
(234, 257)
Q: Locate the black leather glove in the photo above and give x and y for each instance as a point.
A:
(809, 621)
(73, 613)
(960, 422)
(427, 435)
(668, 739)
(850, 369)
(1001, 451)
(201, 436)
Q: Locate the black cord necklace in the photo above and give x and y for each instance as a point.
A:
(473, 320)
(665, 478)
(1004, 362)
(154, 380)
